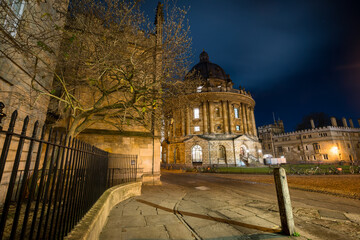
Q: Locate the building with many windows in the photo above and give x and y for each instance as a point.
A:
(319, 144)
(217, 127)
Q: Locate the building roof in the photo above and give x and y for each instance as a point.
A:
(207, 69)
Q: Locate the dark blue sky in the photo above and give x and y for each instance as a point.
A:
(295, 57)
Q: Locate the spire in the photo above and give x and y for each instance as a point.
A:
(159, 17)
(204, 57)
(159, 20)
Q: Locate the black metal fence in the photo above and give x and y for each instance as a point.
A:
(50, 187)
(122, 168)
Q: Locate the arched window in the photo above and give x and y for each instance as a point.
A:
(236, 112)
(196, 113)
(217, 112)
(196, 153)
(176, 155)
(222, 153)
(164, 155)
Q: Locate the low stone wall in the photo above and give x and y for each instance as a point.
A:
(95, 219)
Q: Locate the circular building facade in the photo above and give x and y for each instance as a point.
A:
(217, 128)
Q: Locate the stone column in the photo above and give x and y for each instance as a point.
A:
(231, 127)
(204, 111)
(166, 128)
(188, 121)
(253, 122)
(182, 122)
(248, 121)
(211, 115)
(174, 125)
(244, 122)
(225, 116)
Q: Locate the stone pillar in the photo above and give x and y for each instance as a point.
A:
(182, 122)
(188, 121)
(174, 125)
(351, 123)
(204, 118)
(253, 122)
(166, 129)
(312, 123)
(344, 122)
(333, 121)
(244, 122)
(225, 116)
(231, 127)
(247, 119)
(211, 116)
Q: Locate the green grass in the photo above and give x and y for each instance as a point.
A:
(246, 170)
(287, 167)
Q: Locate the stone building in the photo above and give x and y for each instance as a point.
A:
(217, 127)
(328, 144)
(21, 72)
(118, 138)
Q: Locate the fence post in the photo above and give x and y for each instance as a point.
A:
(283, 196)
(2, 115)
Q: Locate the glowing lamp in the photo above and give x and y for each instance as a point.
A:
(335, 150)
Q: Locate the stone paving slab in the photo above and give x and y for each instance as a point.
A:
(152, 216)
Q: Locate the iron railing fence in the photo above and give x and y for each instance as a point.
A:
(49, 182)
(122, 168)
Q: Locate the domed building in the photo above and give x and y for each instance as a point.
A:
(217, 128)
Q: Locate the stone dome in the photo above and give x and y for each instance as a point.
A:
(206, 69)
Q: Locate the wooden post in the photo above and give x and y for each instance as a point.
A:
(283, 196)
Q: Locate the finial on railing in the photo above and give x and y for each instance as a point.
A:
(2, 115)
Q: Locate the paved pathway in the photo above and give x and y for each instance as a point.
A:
(189, 206)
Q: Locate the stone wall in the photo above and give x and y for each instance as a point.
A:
(147, 150)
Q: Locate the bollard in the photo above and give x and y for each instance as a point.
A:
(283, 196)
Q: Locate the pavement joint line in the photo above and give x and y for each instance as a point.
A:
(182, 220)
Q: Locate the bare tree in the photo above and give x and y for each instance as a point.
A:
(114, 66)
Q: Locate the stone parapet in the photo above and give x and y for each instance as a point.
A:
(92, 223)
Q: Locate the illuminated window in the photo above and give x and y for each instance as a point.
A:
(236, 112)
(237, 128)
(196, 154)
(13, 17)
(196, 113)
(199, 89)
(197, 129)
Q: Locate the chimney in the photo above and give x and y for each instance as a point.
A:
(312, 123)
(344, 122)
(359, 121)
(333, 121)
(351, 123)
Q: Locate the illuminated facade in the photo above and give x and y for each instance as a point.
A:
(217, 128)
(324, 144)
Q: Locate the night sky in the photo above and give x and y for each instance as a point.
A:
(295, 57)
